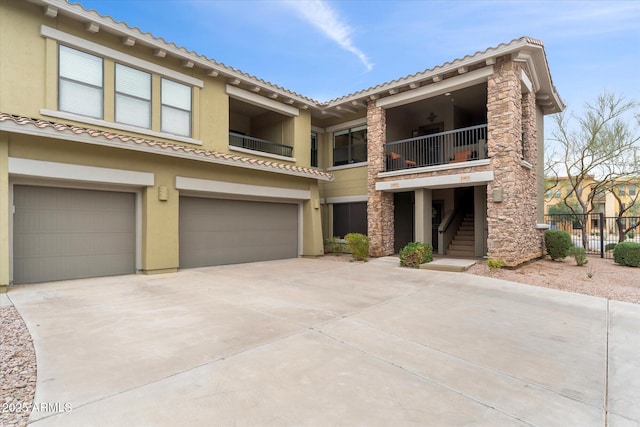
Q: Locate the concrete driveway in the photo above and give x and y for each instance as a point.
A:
(320, 342)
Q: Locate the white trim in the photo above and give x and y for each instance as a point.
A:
(317, 129)
(67, 135)
(526, 86)
(300, 229)
(527, 57)
(435, 89)
(261, 153)
(119, 126)
(448, 166)
(42, 169)
(80, 43)
(349, 166)
(526, 164)
(346, 199)
(439, 181)
(261, 101)
(347, 125)
(139, 220)
(245, 190)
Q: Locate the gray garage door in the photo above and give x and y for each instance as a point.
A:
(218, 232)
(62, 233)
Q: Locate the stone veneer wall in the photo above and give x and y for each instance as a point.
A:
(380, 204)
(512, 235)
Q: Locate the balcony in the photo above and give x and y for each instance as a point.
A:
(450, 147)
(257, 144)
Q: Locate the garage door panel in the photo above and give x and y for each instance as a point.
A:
(217, 232)
(72, 267)
(44, 221)
(56, 245)
(62, 233)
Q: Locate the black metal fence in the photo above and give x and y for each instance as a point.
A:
(257, 144)
(595, 232)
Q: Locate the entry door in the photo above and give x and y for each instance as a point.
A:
(436, 220)
(403, 212)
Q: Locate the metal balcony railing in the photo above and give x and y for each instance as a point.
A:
(454, 146)
(257, 144)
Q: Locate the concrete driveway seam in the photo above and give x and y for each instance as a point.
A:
(424, 378)
(468, 362)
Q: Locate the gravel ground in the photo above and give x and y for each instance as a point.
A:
(17, 369)
(608, 280)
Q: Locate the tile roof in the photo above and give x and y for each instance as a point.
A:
(164, 148)
(92, 13)
(439, 68)
(79, 12)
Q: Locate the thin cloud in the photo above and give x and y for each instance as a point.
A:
(322, 16)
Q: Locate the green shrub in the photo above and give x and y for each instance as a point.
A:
(579, 254)
(358, 245)
(416, 253)
(495, 263)
(631, 234)
(333, 245)
(610, 246)
(627, 253)
(558, 243)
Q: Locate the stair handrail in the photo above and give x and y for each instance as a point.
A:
(448, 228)
(446, 221)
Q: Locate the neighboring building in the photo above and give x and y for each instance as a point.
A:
(122, 153)
(559, 192)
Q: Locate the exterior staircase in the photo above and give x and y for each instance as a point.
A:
(463, 243)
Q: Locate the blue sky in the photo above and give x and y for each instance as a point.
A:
(325, 49)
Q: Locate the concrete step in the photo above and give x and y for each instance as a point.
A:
(464, 237)
(449, 264)
(461, 243)
(455, 252)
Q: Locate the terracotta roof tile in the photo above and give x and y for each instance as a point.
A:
(195, 153)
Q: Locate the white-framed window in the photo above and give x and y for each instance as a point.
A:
(176, 108)
(133, 97)
(350, 146)
(622, 190)
(80, 82)
(632, 190)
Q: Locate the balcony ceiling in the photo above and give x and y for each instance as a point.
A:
(245, 109)
(472, 98)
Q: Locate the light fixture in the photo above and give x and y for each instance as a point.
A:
(447, 94)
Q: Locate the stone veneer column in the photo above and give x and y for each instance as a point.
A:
(380, 204)
(512, 235)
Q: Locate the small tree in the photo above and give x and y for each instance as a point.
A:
(601, 150)
(630, 208)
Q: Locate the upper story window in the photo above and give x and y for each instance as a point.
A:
(314, 149)
(133, 97)
(80, 83)
(350, 146)
(176, 108)
(622, 190)
(632, 190)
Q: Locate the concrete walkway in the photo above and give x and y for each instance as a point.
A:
(322, 342)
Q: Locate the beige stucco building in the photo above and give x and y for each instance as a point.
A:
(122, 153)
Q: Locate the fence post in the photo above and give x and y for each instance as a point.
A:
(601, 222)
